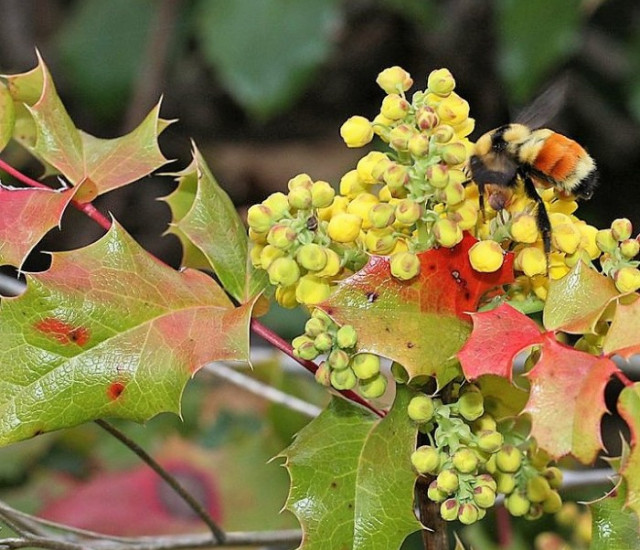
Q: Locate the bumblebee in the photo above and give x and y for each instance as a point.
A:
(524, 152)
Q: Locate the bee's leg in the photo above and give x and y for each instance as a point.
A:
(542, 217)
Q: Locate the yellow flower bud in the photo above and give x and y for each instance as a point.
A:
(630, 248)
(447, 233)
(301, 180)
(382, 126)
(361, 205)
(384, 195)
(281, 236)
(588, 240)
(322, 194)
(426, 118)
(396, 176)
(332, 267)
(254, 255)
(621, 229)
(283, 271)
(338, 206)
(606, 241)
(351, 185)
(277, 203)
(286, 296)
(312, 257)
(419, 145)
(465, 215)
(454, 153)
(394, 107)
(394, 79)
(438, 175)
(268, 254)
(486, 256)
(452, 194)
(257, 238)
(382, 215)
(356, 131)
(453, 110)
(367, 166)
(441, 82)
(566, 237)
(408, 212)
(380, 241)
(404, 266)
(344, 227)
(524, 229)
(627, 279)
(399, 137)
(312, 290)
(531, 261)
(260, 218)
(300, 197)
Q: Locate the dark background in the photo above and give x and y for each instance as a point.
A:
(263, 86)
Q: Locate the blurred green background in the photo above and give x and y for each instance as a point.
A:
(263, 87)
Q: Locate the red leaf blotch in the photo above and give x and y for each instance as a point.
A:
(63, 332)
(115, 390)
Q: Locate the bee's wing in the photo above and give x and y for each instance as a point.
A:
(546, 106)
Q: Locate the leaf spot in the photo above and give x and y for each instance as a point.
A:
(372, 296)
(115, 390)
(410, 345)
(63, 332)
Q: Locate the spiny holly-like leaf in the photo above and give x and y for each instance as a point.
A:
(629, 409)
(384, 514)
(323, 464)
(498, 336)
(7, 116)
(105, 163)
(576, 301)
(623, 336)
(109, 331)
(26, 215)
(204, 217)
(421, 323)
(351, 478)
(566, 400)
(613, 526)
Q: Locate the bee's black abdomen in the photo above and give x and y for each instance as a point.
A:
(587, 185)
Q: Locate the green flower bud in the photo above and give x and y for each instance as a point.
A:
(421, 408)
(373, 387)
(343, 379)
(538, 489)
(365, 365)
(489, 441)
(283, 271)
(435, 494)
(465, 460)
(468, 513)
(346, 337)
(426, 460)
(338, 359)
(312, 257)
(630, 248)
(396, 176)
(323, 375)
(260, 218)
(621, 229)
(535, 511)
(605, 240)
(438, 175)
(441, 82)
(307, 350)
(484, 496)
(323, 342)
(407, 212)
(471, 405)
(318, 313)
(380, 241)
(314, 326)
(448, 481)
(485, 422)
(509, 459)
(554, 477)
(404, 266)
(382, 215)
(419, 145)
(553, 503)
(281, 236)
(517, 504)
(300, 198)
(301, 180)
(322, 194)
(278, 204)
(449, 509)
(506, 483)
(447, 233)
(486, 480)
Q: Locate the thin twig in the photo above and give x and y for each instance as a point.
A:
(285, 347)
(261, 389)
(41, 542)
(218, 533)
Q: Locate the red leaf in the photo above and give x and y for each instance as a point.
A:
(566, 401)
(623, 337)
(420, 323)
(26, 215)
(498, 336)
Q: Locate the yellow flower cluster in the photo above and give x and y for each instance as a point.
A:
(618, 251)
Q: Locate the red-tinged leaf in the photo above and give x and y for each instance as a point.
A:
(7, 116)
(26, 215)
(204, 218)
(109, 331)
(629, 409)
(623, 337)
(566, 400)
(421, 323)
(576, 301)
(106, 163)
(497, 337)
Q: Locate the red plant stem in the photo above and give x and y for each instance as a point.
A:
(503, 526)
(286, 348)
(623, 378)
(85, 207)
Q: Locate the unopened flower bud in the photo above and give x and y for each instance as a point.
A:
(566, 237)
(332, 267)
(448, 481)
(399, 137)
(486, 256)
(438, 175)
(404, 266)
(449, 509)
(418, 145)
(323, 342)
(278, 204)
(465, 460)
(365, 365)
(435, 494)
(553, 503)
(300, 198)
(524, 229)
(421, 408)
(269, 254)
(394, 79)
(453, 153)
(380, 241)
(471, 405)
(260, 218)
(382, 215)
(356, 131)
(426, 460)
(621, 229)
(322, 194)
(517, 504)
(537, 488)
(373, 387)
(630, 248)
(484, 496)
(346, 337)
(312, 290)
(509, 459)
(443, 134)
(394, 107)
(323, 374)
(627, 279)
(344, 227)
(312, 257)
(301, 180)
(283, 271)
(396, 176)
(343, 379)
(281, 236)
(441, 82)
(489, 441)
(286, 296)
(447, 233)
(531, 261)
(453, 194)
(371, 167)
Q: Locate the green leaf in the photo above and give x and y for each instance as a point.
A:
(26, 215)
(205, 218)
(629, 409)
(101, 47)
(7, 116)
(613, 526)
(535, 37)
(266, 52)
(351, 478)
(109, 331)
